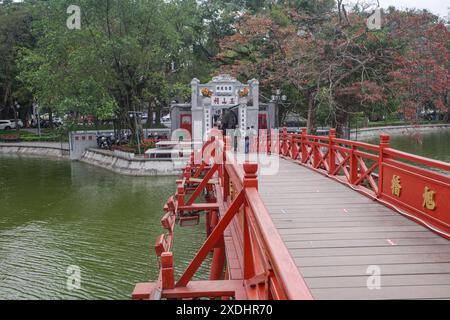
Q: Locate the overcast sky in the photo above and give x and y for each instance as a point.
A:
(439, 7)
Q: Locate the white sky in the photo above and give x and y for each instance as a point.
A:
(439, 7)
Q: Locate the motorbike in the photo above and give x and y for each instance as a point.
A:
(104, 142)
(124, 138)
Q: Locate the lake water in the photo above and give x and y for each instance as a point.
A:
(55, 214)
(430, 145)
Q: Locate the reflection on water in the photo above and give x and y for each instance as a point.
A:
(54, 214)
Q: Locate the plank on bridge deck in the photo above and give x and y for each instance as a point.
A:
(334, 234)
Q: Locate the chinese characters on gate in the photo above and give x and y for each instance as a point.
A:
(224, 101)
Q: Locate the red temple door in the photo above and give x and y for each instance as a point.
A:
(262, 119)
(186, 122)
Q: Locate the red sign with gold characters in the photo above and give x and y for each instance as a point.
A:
(420, 192)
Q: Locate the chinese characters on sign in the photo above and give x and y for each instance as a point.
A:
(428, 199)
(428, 195)
(224, 101)
(396, 186)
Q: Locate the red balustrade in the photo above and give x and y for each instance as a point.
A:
(250, 260)
(415, 186)
(240, 234)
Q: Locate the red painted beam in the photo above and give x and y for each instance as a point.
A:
(143, 291)
(199, 289)
(200, 207)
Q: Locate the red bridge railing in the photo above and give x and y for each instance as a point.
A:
(415, 186)
(250, 260)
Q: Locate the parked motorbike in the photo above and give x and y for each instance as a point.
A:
(104, 142)
(124, 139)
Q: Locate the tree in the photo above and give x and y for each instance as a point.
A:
(15, 32)
(333, 62)
(107, 67)
(311, 53)
(421, 74)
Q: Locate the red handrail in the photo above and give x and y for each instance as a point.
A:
(396, 178)
(288, 278)
(267, 270)
(234, 205)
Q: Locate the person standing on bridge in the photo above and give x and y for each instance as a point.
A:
(236, 136)
(247, 141)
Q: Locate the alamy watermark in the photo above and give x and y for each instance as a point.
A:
(74, 20)
(374, 279)
(245, 145)
(73, 278)
(375, 20)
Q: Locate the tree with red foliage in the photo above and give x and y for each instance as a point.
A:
(338, 64)
(420, 75)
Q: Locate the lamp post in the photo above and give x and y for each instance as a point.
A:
(278, 98)
(38, 117)
(16, 115)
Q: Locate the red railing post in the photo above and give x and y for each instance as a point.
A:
(250, 181)
(167, 272)
(226, 176)
(331, 153)
(353, 166)
(262, 141)
(284, 142)
(293, 152)
(304, 146)
(316, 153)
(180, 195)
(275, 143)
(188, 172)
(385, 143)
(251, 175)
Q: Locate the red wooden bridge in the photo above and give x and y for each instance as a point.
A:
(340, 220)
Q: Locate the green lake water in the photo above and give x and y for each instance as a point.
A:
(55, 214)
(431, 145)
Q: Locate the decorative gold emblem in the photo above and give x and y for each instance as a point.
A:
(244, 92)
(428, 199)
(206, 92)
(396, 186)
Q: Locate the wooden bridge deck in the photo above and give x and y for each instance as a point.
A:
(335, 234)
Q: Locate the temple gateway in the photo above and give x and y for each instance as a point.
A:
(225, 103)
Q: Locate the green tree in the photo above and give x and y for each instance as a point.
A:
(15, 32)
(334, 67)
(110, 64)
